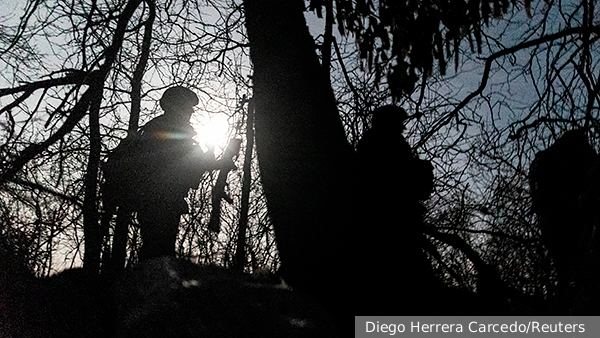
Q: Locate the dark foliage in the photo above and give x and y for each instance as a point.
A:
(403, 39)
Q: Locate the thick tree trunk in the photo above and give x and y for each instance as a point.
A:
(304, 157)
(91, 216)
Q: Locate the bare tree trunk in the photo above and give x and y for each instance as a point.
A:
(138, 74)
(328, 38)
(92, 230)
(91, 217)
(305, 160)
(240, 252)
(118, 254)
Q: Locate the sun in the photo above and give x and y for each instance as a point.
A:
(212, 131)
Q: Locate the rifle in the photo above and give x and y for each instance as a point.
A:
(231, 151)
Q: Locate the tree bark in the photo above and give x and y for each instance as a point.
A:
(304, 158)
(327, 38)
(240, 251)
(118, 254)
(92, 231)
(91, 216)
(138, 74)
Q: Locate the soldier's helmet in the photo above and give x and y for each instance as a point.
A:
(178, 96)
(389, 116)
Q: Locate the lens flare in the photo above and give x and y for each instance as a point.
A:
(212, 131)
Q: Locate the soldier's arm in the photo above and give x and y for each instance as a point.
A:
(206, 161)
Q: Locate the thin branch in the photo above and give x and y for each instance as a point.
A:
(495, 234)
(74, 77)
(486, 73)
(29, 11)
(81, 107)
(37, 186)
(138, 74)
(345, 71)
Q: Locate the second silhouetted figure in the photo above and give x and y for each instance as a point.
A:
(394, 182)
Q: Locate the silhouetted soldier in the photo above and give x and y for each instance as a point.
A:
(172, 163)
(559, 176)
(395, 181)
(383, 147)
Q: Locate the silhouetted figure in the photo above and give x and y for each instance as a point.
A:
(175, 164)
(383, 147)
(588, 298)
(558, 177)
(166, 164)
(395, 181)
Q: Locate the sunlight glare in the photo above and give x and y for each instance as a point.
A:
(212, 130)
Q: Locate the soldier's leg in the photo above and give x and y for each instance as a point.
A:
(159, 230)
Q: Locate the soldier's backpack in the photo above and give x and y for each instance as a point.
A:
(124, 174)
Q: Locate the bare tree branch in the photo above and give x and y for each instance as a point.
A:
(486, 73)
